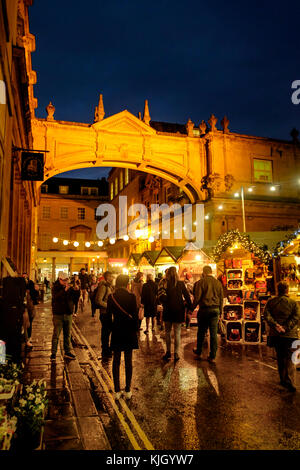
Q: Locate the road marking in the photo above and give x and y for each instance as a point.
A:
(264, 364)
(128, 412)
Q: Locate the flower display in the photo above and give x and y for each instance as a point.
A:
(7, 428)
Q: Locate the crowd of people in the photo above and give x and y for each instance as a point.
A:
(166, 302)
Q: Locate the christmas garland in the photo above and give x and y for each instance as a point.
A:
(234, 236)
(283, 244)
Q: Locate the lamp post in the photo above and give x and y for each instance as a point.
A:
(243, 208)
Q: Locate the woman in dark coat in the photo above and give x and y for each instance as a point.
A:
(148, 299)
(122, 308)
(174, 310)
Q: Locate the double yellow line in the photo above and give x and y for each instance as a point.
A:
(107, 383)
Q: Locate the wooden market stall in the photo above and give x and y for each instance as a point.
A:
(133, 263)
(243, 270)
(147, 262)
(167, 257)
(192, 261)
(287, 263)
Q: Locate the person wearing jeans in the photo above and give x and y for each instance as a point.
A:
(62, 309)
(208, 294)
(174, 310)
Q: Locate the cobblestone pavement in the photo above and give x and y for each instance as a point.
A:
(72, 421)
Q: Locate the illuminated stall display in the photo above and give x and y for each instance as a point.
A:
(288, 263)
(243, 270)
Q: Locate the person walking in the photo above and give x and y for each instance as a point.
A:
(283, 317)
(208, 294)
(105, 288)
(174, 310)
(93, 291)
(85, 284)
(123, 312)
(76, 285)
(136, 289)
(62, 309)
(148, 299)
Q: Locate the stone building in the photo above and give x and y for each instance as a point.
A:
(18, 198)
(67, 223)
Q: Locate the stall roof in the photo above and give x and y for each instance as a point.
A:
(135, 257)
(150, 256)
(169, 254)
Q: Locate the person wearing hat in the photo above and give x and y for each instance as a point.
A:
(62, 308)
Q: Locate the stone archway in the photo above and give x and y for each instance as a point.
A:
(121, 140)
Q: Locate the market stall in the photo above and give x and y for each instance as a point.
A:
(133, 263)
(243, 269)
(287, 263)
(192, 261)
(147, 261)
(167, 257)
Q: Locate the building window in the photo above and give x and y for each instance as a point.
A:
(45, 241)
(44, 188)
(111, 191)
(46, 212)
(126, 176)
(263, 171)
(81, 213)
(63, 189)
(63, 212)
(97, 217)
(116, 186)
(88, 191)
(121, 180)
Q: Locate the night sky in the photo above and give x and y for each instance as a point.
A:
(189, 59)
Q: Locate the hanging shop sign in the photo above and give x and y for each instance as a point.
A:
(32, 166)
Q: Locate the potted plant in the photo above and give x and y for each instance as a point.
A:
(30, 412)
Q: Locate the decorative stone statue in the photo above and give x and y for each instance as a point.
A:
(225, 123)
(190, 127)
(228, 180)
(50, 112)
(202, 127)
(212, 122)
(211, 183)
(295, 134)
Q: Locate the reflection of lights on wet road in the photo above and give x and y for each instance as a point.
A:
(213, 380)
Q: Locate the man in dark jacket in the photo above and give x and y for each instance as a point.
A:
(208, 294)
(62, 309)
(283, 317)
(85, 284)
(123, 312)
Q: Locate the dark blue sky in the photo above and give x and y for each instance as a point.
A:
(189, 59)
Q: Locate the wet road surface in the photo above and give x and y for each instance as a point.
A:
(235, 404)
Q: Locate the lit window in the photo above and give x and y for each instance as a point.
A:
(44, 188)
(121, 181)
(263, 171)
(64, 190)
(116, 186)
(46, 212)
(81, 213)
(63, 212)
(84, 191)
(126, 176)
(111, 191)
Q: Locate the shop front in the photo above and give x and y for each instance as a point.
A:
(192, 261)
(243, 269)
(118, 265)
